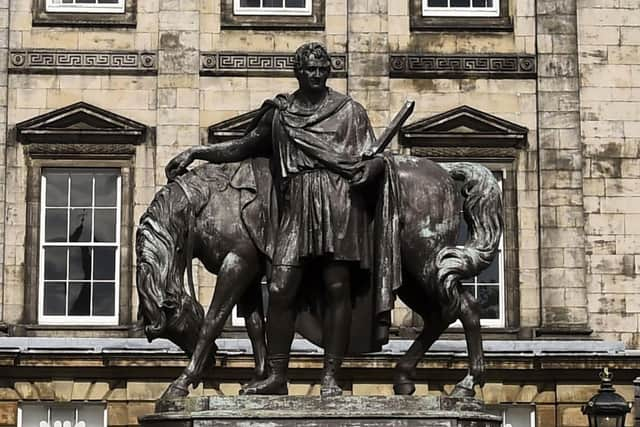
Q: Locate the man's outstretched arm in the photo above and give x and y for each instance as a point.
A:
(255, 143)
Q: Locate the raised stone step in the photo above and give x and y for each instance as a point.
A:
(287, 411)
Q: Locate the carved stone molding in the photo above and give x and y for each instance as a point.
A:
(45, 61)
(497, 66)
(464, 131)
(259, 64)
(79, 124)
(60, 150)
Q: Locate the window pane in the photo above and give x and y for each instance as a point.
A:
(81, 189)
(105, 260)
(54, 298)
(463, 233)
(460, 3)
(437, 3)
(105, 227)
(92, 415)
(80, 263)
(104, 296)
(249, 3)
(55, 263)
(80, 225)
(106, 190)
(62, 414)
(56, 189)
(294, 3)
(79, 299)
(492, 273)
(488, 297)
(272, 3)
(479, 3)
(55, 225)
(33, 415)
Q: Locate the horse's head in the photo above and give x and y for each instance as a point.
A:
(166, 309)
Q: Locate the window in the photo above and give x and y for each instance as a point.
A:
(272, 7)
(489, 286)
(465, 134)
(515, 415)
(85, 13)
(80, 245)
(62, 415)
(461, 8)
(279, 15)
(86, 6)
(460, 15)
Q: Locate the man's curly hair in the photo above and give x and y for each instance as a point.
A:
(307, 50)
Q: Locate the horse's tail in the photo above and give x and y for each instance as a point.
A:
(482, 210)
(166, 310)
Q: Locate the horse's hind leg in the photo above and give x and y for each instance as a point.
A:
(433, 327)
(470, 317)
(254, 322)
(239, 271)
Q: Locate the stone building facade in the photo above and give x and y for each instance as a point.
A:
(546, 93)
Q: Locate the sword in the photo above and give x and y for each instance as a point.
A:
(387, 136)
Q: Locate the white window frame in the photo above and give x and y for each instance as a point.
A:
(461, 11)
(500, 322)
(51, 406)
(291, 11)
(78, 320)
(58, 6)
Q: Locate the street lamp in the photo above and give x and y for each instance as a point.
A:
(606, 408)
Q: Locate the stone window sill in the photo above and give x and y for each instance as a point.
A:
(440, 23)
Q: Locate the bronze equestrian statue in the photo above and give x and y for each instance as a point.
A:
(339, 229)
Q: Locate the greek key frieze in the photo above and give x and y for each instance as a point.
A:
(57, 61)
(258, 64)
(462, 66)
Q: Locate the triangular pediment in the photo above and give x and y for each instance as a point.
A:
(464, 126)
(232, 128)
(81, 123)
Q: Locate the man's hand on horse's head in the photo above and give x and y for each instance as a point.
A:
(178, 165)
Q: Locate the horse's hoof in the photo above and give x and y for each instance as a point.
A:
(330, 390)
(404, 388)
(264, 387)
(460, 392)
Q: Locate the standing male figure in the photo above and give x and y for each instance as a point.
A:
(316, 139)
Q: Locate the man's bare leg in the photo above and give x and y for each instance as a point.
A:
(337, 324)
(281, 318)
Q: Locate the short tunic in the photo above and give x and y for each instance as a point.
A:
(319, 213)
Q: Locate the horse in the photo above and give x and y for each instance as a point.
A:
(199, 215)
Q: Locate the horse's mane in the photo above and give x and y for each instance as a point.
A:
(160, 240)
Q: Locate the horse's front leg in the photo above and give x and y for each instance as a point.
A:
(239, 270)
(470, 317)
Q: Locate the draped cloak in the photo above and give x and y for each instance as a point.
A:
(307, 209)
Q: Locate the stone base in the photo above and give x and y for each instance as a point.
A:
(281, 411)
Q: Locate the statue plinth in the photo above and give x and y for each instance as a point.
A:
(287, 411)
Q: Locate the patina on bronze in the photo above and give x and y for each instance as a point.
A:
(338, 232)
